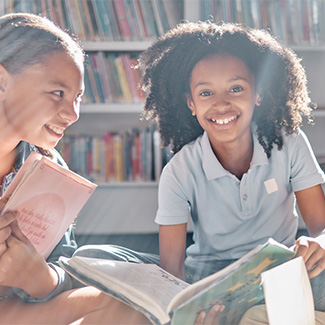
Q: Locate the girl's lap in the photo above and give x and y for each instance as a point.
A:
(85, 305)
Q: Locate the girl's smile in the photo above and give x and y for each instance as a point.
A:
(39, 110)
(223, 99)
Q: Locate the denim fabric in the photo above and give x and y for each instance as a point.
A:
(117, 253)
(318, 287)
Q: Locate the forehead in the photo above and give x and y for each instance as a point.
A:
(62, 59)
(221, 65)
(58, 67)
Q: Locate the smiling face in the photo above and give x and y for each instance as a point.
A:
(223, 98)
(38, 104)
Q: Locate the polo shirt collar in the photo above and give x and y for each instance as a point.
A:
(211, 165)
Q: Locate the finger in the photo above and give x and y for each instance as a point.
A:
(316, 263)
(213, 316)
(5, 233)
(302, 248)
(7, 218)
(314, 258)
(200, 318)
(3, 248)
(17, 233)
(317, 270)
(3, 202)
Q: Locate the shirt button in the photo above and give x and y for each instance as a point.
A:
(245, 197)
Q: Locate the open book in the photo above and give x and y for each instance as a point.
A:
(47, 197)
(164, 298)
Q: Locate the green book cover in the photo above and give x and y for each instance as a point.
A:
(238, 287)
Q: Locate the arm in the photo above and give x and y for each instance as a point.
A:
(311, 203)
(66, 247)
(172, 245)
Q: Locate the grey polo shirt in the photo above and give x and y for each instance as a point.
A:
(231, 216)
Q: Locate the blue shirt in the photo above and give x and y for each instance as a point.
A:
(231, 216)
(66, 246)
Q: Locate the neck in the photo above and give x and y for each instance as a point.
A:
(236, 159)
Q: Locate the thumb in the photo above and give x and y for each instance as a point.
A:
(17, 233)
(3, 202)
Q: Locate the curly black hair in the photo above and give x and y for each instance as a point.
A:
(280, 79)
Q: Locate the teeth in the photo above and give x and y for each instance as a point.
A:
(55, 129)
(224, 121)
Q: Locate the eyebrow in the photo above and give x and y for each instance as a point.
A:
(55, 83)
(59, 84)
(203, 83)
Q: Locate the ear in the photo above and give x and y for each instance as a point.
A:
(190, 104)
(4, 75)
(258, 100)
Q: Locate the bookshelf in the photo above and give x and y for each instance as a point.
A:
(117, 206)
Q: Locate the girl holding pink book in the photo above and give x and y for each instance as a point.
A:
(41, 86)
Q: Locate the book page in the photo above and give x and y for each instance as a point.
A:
(145, 285)
(288, 294)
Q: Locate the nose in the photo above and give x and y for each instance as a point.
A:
(70, 111)
(221, 103)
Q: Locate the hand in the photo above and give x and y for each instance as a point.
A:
(5, 229)
(210, 317)
(22, 267)
(313, 254)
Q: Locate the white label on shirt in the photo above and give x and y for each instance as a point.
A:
(271, 186)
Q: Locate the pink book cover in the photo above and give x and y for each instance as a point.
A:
(47, 197)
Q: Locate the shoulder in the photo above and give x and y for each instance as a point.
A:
(296, 143)
(189, 155)
(183, 166)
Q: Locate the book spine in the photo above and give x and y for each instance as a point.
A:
(133, 155)
(122, 19)
(126, 90)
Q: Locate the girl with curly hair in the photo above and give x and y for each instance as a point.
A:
(229, 101)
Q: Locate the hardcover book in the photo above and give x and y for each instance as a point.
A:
(47, 198)
(164, 298)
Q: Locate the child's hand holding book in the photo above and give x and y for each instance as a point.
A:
(19, 262)
(36, 210)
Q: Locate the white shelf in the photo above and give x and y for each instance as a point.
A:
(319, 112)
(307, 48)
(136, 46)
(111, 108)
(134, 184)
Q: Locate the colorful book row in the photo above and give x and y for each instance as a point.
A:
(134, 156)
(105, 20)
(112, 78)
(296, 22)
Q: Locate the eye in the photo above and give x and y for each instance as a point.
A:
(236, 89)
(59, 93)
(205, 93)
